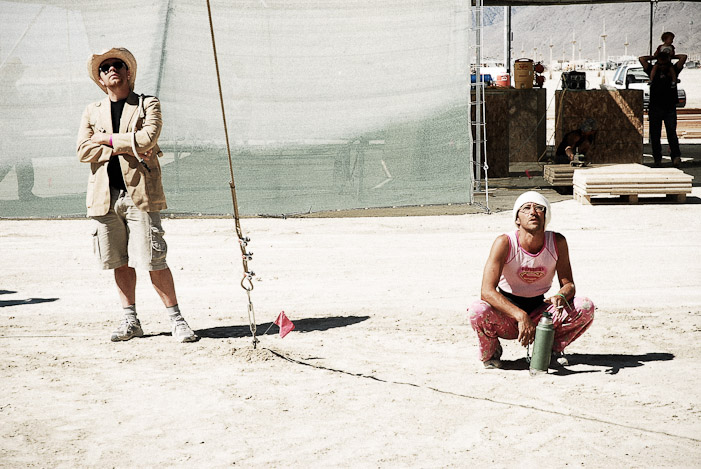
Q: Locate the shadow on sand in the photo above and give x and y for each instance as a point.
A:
(612, 363)
(28, 301)
(301, 325)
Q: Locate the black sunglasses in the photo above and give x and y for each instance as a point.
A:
(117, 64)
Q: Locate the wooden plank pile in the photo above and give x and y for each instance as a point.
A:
(688, 124)
(561, 174)
(630, 181)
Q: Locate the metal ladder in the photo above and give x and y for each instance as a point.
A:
(480, 182)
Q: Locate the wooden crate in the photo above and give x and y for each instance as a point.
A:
(630, 181)
(514, 126)
(619, 115)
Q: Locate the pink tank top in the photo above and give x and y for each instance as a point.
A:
(529, 275)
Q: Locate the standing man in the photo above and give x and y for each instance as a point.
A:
(663, 103)
(118, 137)
(519, 271)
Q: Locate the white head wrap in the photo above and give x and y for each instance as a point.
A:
(532, 197)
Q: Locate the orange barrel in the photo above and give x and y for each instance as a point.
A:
(523, 74)
(503, 81)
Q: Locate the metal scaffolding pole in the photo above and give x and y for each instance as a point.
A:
(480, 166)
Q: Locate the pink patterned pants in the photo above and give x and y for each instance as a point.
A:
(492, 325)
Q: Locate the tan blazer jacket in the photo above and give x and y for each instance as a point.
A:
(144, 187)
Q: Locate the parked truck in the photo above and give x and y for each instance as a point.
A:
(632, 76)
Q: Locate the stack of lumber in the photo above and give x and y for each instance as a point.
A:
(630, 181)
(688, 124)
(561, 174)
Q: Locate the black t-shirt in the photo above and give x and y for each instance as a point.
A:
(113, 170)
(663, 88)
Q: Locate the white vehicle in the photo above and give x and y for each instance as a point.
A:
(632, 76)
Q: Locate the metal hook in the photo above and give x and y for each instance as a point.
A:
(249, 277)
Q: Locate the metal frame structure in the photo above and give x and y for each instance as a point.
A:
(479, 167)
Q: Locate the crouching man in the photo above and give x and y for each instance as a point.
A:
(519, 271)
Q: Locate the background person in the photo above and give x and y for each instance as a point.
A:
(519, 271)
(13, 151)
(125, 196)
(577, 141)
(663, 104)
(667, 46)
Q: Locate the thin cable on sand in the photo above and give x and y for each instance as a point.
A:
(480, 398)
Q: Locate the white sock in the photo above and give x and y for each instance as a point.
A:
(174, 313)
(130, 313)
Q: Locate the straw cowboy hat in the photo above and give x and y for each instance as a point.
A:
(115, 53)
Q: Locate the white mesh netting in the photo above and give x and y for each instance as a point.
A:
(330, 104)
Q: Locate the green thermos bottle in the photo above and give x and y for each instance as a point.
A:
(542, 345)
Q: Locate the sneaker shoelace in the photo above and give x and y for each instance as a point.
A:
(181, 328)
(124, 326)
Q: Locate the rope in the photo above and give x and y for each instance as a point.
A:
(247, 280)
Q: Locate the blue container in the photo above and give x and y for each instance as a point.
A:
(487, 78)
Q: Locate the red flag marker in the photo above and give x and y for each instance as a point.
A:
(528, 174)
(286, 326)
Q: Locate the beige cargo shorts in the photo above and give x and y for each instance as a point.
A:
(127, 235)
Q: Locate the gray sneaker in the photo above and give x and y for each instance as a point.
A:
(128, 329)
(558, 359)
(182, 332)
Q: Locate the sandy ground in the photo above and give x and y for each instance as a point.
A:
(382, 369)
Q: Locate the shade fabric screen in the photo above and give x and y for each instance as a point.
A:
(331, 104)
